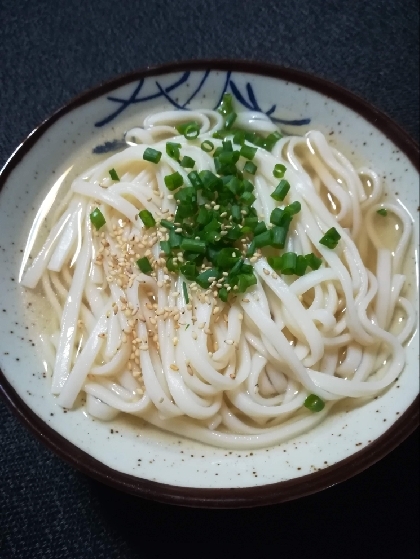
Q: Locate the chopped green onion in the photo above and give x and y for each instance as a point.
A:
(187, 326)
(170, 264)
(144, 265)
(314, 403)
(225, 106)
(227, 257)
(114, 175)
(278, 237)
(301, 265)
(313, 261)
(207, 146)
(223, 294)
(293, 208)
(288, 263)
(210, 180)
(248, 198)
(252, 223)
(239, 137)
(173, 181)
(187, 162)
(182, 128)
(331, 238)
(236, 213)
(271, 140)
(189, 270)
(276, 217)
(203, 279)
(190, 130)
(172, 149)
(174, 239)
(251, 248)
(281, 191)
(152, 155)
(279, 171)
(147, 218)
(165, 247)
(230, 119)
(263, 239)
(97, 218)
(250, 167)
(383, 212)
(245, 281)
(185, 290)
(275, 262)
(167, 224)
(259, 228)
(193, 245)
(248, 152)
(195, 180)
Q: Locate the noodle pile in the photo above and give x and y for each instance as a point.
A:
(234, 374)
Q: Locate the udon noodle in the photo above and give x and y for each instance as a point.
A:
(232, 374)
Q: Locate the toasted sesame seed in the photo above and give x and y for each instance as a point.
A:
(266, 272)
(174, 367)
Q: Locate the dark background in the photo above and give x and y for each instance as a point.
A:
(51, 51)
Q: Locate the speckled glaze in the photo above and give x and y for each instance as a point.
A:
(127, 453)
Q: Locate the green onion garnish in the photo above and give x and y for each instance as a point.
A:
(114, 175)
(271, 140)
(331, 238)
(185, 290)
(152, 155)
(172, 149)
(250, 167)
(293, 208)
(383, 212)
(263, 239)
(313, 261)
(147, 218)
(165, 247)
(144, 265)
(248, 151)
(190, 130)
(187, 162)
(207, 146)
(226, 106)
(278, 237)
(279, 171)
(301, 265)
(173, 181)
(193, 245)
(167, 224)
(281, 191)
(230, 119)
(97, 218)
(288, 263)
(314, 403)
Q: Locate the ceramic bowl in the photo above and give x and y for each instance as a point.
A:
(127, 453)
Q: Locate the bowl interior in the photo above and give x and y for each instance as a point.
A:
(95, 125)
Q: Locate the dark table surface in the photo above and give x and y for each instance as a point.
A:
(50, 51)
